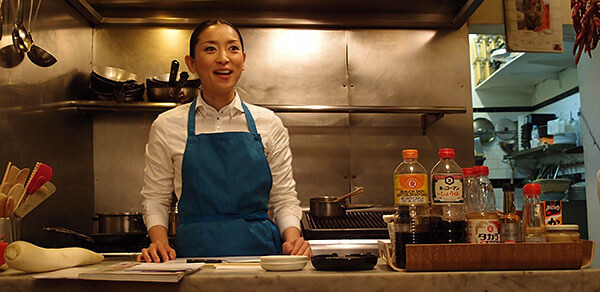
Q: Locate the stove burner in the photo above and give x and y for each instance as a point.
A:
(355, 224)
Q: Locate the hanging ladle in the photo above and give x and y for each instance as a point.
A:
(20, 35)
(38, 55)
(1, 19)
(23, 40)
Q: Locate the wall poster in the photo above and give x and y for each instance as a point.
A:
(533, 26)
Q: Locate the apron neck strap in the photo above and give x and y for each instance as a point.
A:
(249, 119)
(192, 118)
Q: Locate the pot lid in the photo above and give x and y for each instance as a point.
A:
(484, 129)
(506, 130)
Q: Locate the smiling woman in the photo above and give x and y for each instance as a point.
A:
(218, 58)
(227, 161)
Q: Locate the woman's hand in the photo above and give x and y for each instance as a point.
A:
(159, 248)
(294, 243)
(157, 252)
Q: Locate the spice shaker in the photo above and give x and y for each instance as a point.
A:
(534, 229)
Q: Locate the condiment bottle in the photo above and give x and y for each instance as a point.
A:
(510, 222)
(410, 181)
(411, 222)
(482, 219)
(534, 229)
(448, 219)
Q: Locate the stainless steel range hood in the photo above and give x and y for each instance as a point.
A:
(282, 13)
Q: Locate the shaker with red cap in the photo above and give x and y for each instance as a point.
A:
(534, 229)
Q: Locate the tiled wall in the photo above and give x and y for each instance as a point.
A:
(500, 168)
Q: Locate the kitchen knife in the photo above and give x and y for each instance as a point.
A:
(35, 199)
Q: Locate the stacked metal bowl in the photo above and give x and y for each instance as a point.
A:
(110, 83)
(553, 189)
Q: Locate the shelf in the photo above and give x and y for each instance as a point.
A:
(524, 71)
(429, 115)
(542, 151)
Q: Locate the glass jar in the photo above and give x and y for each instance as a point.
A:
(562, 233)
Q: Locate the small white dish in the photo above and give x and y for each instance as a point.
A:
(283, 258)
(291, 266)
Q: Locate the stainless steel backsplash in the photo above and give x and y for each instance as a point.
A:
(98, 157)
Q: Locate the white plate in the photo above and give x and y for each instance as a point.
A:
(283, 258)
(284, 266)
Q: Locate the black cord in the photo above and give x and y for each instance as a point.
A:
(590, 131)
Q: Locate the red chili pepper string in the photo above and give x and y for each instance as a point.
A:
(586, 23)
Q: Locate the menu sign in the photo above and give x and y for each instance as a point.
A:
(533, 26)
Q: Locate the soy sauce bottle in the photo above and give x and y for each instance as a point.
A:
(448, 218)
(411, 221)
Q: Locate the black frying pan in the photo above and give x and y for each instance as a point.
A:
(351, 262)
(105, 242)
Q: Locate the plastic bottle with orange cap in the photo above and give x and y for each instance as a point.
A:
(411, 197)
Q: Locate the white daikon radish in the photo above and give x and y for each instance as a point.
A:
(24, 256)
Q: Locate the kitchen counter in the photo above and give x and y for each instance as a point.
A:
(381, 278)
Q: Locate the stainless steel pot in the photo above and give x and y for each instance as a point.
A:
(331, 206)
(326, 207)
(119, 223)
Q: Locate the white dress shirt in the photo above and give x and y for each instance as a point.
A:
(167, 141)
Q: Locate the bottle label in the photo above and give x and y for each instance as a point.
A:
(410, 189)
(483, 231)
(510, 232)
(447, 189)
(553, 212)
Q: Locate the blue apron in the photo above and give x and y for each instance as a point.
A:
(226, 182)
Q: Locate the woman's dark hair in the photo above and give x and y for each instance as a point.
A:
(204, 25)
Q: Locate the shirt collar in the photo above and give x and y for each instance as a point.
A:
(232, 108)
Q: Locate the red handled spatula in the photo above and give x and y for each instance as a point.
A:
(41, 173)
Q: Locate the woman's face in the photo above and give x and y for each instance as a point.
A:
(219, 59)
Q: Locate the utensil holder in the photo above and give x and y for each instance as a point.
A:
(10, 229)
